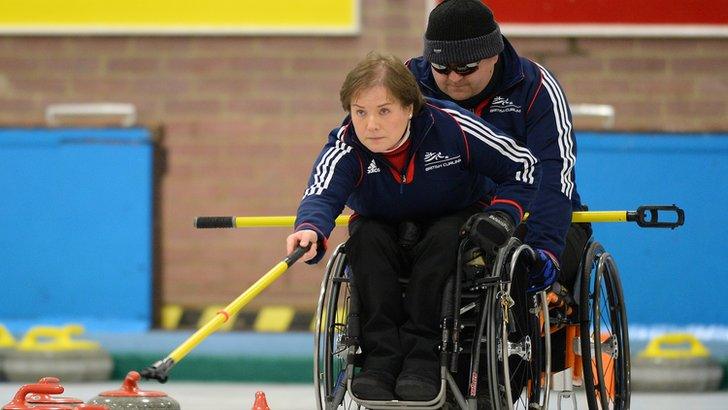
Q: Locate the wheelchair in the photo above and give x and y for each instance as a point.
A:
(495, 349)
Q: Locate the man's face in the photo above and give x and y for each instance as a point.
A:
(461, 87)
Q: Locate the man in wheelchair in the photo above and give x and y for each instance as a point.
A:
(414, 172)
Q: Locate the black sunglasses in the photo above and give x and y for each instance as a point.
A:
(462, 69)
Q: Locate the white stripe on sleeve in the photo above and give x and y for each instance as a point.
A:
(564, 127)
(325, 168)
(501, 143)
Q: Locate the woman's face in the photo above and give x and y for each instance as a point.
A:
(379, 119)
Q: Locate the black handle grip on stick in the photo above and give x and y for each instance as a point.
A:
(207, 222)
(296, 254)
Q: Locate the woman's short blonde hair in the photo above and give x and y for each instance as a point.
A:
(385, 70)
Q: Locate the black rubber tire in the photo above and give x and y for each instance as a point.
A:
(331, 366)
(524, 375)
(602, 312)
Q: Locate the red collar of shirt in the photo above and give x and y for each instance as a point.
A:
(398, 158)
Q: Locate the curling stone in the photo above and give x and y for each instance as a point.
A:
(130, 397)
(676, 362)
(48, 350)
(38, 396)
(7, 343)
(44, 399)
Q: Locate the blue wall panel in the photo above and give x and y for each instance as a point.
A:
(674, 277)
(75, 224)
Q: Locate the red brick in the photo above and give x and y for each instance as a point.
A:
(639, 109)
(254, 106)
(192, 106)
(17, 64)
(133, 65)
(713, 46)
(609, 46)
(713, 123)
(245, 66)
(573, 64)
(664, 46)
(224, 46)
(42, 46)
(638, 65)
(528, 47)
(196, 65)
(309, 47)
(38, 85)
(677, 88)
(18, 106)
(335, 64)
(99, 45)
(712, 85)
(235, 85)
(672, 124)
(100, 85)
(699, 65)
(696, 108)
(73, 66)
(180, 130)
(585, 89)
(161, 45)
(318, 106)
(209, 130)
(403, 46)
(164, 87)
(402, 22)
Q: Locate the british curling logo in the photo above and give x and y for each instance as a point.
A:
(436, 160)
(503, 104)
(433, 156)
(373, 168)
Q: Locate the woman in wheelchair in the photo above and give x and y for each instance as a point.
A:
(413, 170)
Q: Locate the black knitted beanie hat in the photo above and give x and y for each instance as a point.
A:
(461, 31)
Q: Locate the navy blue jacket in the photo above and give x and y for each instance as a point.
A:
(530, 106)
(456, 156)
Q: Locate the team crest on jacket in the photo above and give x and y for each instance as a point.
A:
(373, 168)
(436, 160)
(503, 104)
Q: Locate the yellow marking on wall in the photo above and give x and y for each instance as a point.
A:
(6, 338)
(274, 319)
(170, 317)
(210, 312)
(173, 16)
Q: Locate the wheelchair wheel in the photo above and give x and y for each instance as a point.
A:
(520, 351)
(331, 334)
(604, 339)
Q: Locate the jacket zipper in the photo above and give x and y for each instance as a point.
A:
(406, 165)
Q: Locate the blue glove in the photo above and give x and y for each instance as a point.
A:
(544, 271)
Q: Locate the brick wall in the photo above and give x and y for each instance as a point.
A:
(244, 118)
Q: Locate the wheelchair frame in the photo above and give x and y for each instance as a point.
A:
(603, 367)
